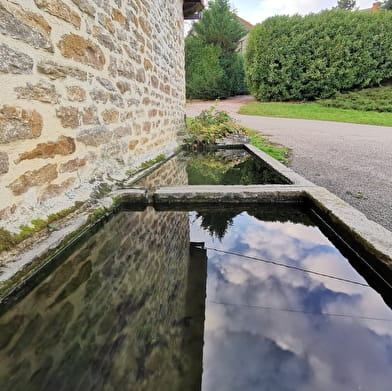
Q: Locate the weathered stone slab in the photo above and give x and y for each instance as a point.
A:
(82, 50)
(110, 116)
(43, 92)
(69, 116)
(55, 190)
(76, 94)
(99, 96)
(60, 10)
(94, 136)
(29, 179)
(74, 164)
(106, 40)
(123, 86)
(25, 26)
(85, 6)
(19, 124)
(90, 116)
(63, 146)
(12, 61)
(4, 163)
(57, 71)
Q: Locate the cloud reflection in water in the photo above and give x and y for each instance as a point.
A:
(248, 348)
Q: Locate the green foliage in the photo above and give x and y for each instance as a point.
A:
(315, 56)
(369, 99)
(219, 26)
(203, 71)
(213, 67)
(276, 151)
(8, 240)
(211, 125)
(346, 4)
(315, 111)
(386, 5)
(151, 162)
(96, 215)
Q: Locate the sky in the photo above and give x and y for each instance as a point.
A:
(256, 11)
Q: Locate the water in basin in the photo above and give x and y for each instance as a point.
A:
(217, 167)
(252, 299)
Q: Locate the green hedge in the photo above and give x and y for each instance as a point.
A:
(304, 58)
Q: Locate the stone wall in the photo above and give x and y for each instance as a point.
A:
(115, 315)
(90, 89)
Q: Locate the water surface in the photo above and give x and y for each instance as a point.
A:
(217, 167)
(142, 305)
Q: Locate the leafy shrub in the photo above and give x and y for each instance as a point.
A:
(315, 56)
(211, 125)
(369, 99)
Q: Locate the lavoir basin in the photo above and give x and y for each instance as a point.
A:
(249, 298)
(223, 166)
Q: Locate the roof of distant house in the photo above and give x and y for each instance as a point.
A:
(245, 23)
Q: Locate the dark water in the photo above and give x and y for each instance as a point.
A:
(139, 307)
(220, 167)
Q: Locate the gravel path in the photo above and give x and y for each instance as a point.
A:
(352, 161)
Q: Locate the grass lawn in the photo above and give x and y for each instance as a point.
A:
(315, 111)
(276, 151)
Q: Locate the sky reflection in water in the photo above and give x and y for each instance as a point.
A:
(269, 348)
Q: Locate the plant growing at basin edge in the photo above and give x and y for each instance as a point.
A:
(211, 125)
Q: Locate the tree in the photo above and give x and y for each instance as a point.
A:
(204, 73)
(218, 28)
(386, 5)
(346, 4)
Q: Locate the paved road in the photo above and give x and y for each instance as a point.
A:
(352, 161)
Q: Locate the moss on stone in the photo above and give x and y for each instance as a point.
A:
(9, 240)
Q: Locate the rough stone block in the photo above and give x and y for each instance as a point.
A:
(63, 146)
(70, 117)
(90, 116)
(76, 94)
(119, 17)
(106, 40)
(122, 131)
(110, 116)
(19, 124)
(25, 26)
(95, 136)
(57, 71)
(82, 50)
(4, 163)
(106, 83)
(133, 144)
(74, 164)
(12, 61)
(141, 75)
(123, 86)
(43, 92)
(85, 6)
(55, 190)
(99, 96)
(29, 179)
(60, 10)
(106, 23)
(117, 99)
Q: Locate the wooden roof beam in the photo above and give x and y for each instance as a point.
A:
(192, 9)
